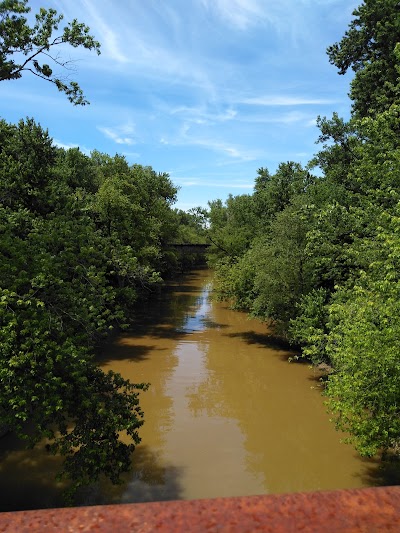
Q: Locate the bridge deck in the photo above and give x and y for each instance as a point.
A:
(190, 248)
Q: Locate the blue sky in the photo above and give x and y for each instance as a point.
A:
(206, 90)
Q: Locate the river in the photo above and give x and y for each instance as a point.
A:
(226, 413)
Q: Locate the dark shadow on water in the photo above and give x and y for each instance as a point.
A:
(149, 481)
(174, 316)
(28, 480)
(125, 352)
(380, 473)
(166, 315)
(27, 476)
(169, 311)
(268, 340)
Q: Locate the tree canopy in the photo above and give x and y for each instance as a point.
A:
(368, 48)
(36, 48)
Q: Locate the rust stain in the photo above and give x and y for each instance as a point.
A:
(364, 510)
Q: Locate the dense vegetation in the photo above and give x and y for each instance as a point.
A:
(82, 240)
(319, 255)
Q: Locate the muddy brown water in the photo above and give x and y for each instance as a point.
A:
(226, 414)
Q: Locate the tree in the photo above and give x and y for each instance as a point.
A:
(133, 208)
(53, 308)
(191, 226)
(339, 141)
(364, 345)
(232, 226)
(309, 328)
(273, 193)
(25, 48)
(283, 271)
(368, 47)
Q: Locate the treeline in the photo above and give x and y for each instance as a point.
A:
(82, 240)
(318, 253)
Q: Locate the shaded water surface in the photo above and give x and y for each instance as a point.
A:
(225, 415)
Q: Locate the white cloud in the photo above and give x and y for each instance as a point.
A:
(119, 134)
(311, 122)
(187, 182)
(141, 42)
(279, 100)
(289, 118)
(186, 137)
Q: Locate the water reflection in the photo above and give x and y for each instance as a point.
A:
(197, 314)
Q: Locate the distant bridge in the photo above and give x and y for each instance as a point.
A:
(189, 248)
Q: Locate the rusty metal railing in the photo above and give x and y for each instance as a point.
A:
(364, 510)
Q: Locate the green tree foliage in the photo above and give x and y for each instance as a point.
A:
(80, 241)
(35, 49)
(263, 239)
(339, 140)
(368, 47)
(273, 193)
(321, 260)
(309, 327)
(192, 226)
(364, 344)
(232, 226)
(133, 208)
(284, 273)
(270, 277)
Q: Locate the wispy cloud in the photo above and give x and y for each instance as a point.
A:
(202, 115)
(292, 117)
(131, 154)
(214, 145)
(119, 134)
(281, 100)
(109, 37)
(239, 13)
(283, 17)
(147, 41)
(205, 137)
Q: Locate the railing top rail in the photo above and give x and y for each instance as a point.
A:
(373, 509)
